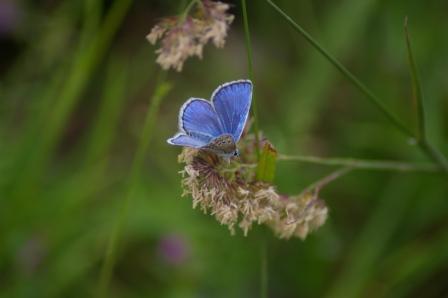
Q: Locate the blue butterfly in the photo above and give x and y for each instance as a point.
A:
(215, 125)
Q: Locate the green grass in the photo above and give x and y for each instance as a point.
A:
(82, 159)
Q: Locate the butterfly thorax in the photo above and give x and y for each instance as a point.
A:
(224, 145)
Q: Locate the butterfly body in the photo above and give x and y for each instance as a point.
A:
(223, 145)
(215, 125)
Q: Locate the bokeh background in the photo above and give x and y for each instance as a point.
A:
(76, 78)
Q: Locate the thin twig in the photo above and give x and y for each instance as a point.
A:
(382, 165)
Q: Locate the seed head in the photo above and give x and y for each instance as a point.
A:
(230, 193)
(185, 36)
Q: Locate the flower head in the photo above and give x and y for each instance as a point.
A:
(185, 36)
(230, 192)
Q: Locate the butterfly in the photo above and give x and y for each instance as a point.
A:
(215, 125)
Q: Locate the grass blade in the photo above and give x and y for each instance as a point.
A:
(369, 94)
(427, 148)
(162, 88)
(416, 86)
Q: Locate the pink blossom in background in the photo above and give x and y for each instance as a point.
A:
(10, 13)
(174, 249)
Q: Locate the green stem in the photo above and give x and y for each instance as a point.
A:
(422, 140)
(416, 86)
(434, 154)
(264, 268)
(429, 150)
(188, 9)
(382, 165)
(263, 248)
(161, 90)
(372, 97)
(319, 184)
(251, 75)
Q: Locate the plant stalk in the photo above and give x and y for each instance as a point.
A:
(319, 184)
(416, 86)
(264, 268)
(187, 10)
(365, 164)
(251, 75)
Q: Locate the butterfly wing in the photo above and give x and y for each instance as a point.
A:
(184, 140)
(232, 103)
(198, 117)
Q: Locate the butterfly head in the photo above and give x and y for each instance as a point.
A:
(228, 155)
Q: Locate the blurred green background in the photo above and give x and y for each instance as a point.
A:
(75, 81)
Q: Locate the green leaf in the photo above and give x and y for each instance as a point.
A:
(267, 163)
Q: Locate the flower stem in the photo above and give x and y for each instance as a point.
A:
(416, 86)
(319, 184)
(251, 74)
(382, 165)
(161, 90)
(428, 149)
(264, 268)
(263, 247)
(188, 9)
(434, 154)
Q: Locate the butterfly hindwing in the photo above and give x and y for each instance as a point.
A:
(182, 139)
(197, 116)
(231, 102)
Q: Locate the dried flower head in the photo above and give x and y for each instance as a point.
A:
(230, 192)
(185, 36)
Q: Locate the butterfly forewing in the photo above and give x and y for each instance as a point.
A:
(198, 117)
(232, 103)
